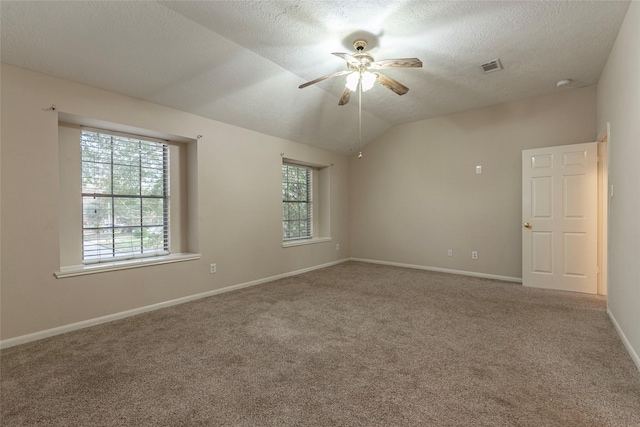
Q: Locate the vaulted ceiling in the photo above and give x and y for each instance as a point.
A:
(241, 62)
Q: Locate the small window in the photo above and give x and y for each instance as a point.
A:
(125, 198)
(296, 202)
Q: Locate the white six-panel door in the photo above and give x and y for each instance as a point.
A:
(559, 215)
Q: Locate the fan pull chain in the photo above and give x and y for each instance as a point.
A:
(360, 119)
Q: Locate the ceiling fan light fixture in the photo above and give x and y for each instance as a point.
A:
(352, 81)
(368, 79)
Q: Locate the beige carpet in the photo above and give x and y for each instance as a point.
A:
(351, 345)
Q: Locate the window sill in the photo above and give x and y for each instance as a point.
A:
(80, 270)
(290, 243)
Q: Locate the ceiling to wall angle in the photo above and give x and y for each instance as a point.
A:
(241, 62)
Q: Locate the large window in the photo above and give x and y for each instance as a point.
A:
(296, 202)
(125, 197)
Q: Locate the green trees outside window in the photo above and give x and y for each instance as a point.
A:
(296, 202)
(125, 200)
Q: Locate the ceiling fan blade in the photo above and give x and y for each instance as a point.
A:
(397, 63)
(347, 57)
(392, 84)
(345, 96)
(328, 76)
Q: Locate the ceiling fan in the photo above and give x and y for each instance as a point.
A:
(363, 71)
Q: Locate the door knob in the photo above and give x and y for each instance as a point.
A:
(527, 225)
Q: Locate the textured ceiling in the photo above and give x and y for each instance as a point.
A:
(241, 62)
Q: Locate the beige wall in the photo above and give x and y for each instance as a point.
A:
(238, 210)
(415, 193)
(619, 104)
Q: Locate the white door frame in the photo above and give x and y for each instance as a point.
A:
(603, 209)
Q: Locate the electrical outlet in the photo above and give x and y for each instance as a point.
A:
(474, 254)
(212, 268)
(450, 252)
(337, 246)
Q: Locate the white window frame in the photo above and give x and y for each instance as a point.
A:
(320, 184)
(132, 253)
(290, 202)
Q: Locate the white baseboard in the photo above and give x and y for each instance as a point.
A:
(441, 270)
(625, 341)
(23, 339)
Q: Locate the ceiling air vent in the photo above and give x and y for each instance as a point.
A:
(491, 66)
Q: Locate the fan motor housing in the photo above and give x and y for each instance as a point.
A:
(359, 45)
(364, 62)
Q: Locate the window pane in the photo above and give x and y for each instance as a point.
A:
(126, 180)
(302, 191)
(152, 182)
(293, 191)
(131, 177)
(152, 211)
(127, 241)
(96, 212)
(152, 239)
(295, 202)
(96, 178)
(97, 244)
(126, 211)
(294, 211)
(294, 229)
(152, 155)
(96, 148)
(126, 152)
